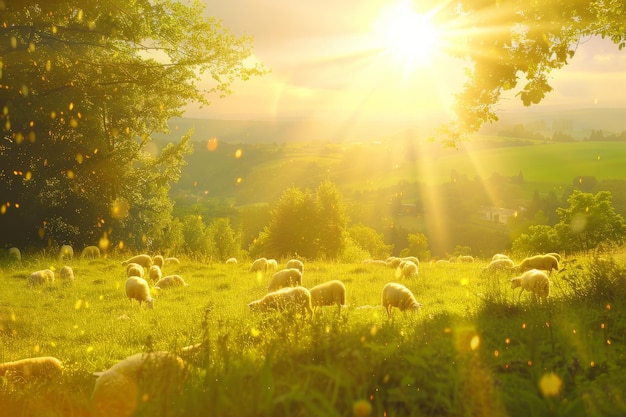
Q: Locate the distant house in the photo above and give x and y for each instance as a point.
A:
(497, 214)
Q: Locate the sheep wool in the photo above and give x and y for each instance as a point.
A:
(290, 298)
(43, 276)
(143, 260)
(498, 265)
(297, 264)
(170, 281)
(92, 252)
(231, 261)
(542, 262)
(499, 256)
(259, 265)
(67, 274)
(66, 253)
(285, 278)
(142, 382)
(397, 295)
(272, 265)
(32, 369)
(138, 289)
(328, 293)
(158, 260)
(535, 281)
(407, 269)
(412, 259)
(135, 270)
(155, 273)
(393, 261)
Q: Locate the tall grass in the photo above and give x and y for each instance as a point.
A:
(475, 348)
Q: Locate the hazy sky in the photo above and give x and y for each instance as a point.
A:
(327, 62)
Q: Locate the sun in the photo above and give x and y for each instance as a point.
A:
(408, 37)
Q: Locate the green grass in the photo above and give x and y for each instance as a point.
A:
(473, 349)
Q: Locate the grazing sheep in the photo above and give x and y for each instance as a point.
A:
(158, 260)
(146, 379)
(155, 273)
(295, 263)
(272, 265)
(290, 277)
(14, 254)
(134, 270)
(556, 255)
(290, 298)
(535, 281)
(32, 369)
(231, 261)
(67, 274)
(412, 259)
(442, 262)
(374, 262)
(499, 265)
(143, 260)
(137, 288)
(397, 295)
(499, 256)
(407, 269)
(43, 276)
(66, 253)
(393, 261)
(171, 260)
(92, 252)
(328, 293)
(170, 281)
(467, 259)
(542, 262)
(259, 265)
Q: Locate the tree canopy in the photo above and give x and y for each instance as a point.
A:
(515, 45)
(83, 87)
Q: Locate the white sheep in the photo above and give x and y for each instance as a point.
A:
(67, 274)
(134, 270)
(498, 265)
(66, 253)
(290, 298)
(393, 261)
(407, 269)
(412, 259)
(14, 254)
(171, 261)
(155, 273)
(295, 263)
(467, 259)
(144, 378)
(290, 277)
(43, 276)
(138, 289)
(535, 281)
(397, 295)
(143, 260)
(499, 256)
(158, 260)
(328, 293)
(170, 281)
(556, 255)
(259, 265)
(231, 261)
(272, 265)
(542, 262)
(32, 369)
(92, 252)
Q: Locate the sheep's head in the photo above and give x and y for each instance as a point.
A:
(516, 282)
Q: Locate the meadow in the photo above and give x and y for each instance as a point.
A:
(475, 348)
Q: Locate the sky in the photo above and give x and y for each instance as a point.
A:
(328, 62)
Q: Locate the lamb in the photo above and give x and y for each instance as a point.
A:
(393, 261)
(556, 255)
(295, 263)
(32, 369)
(171, 260)
(137, 288)
(170, 281)
(535, 281)
(542, 262)
(407, 269)
(467, 259)
(290, 277)
(499, 256)
(43, 276)
(412, 259)
(143, 260)
(92, 252)
(397, 295)
(67, 274)
(155, 273)
(14, 254)
(134, 270)
(66, 253)
(231, 261)
(272, 265)
(290, 298)
(328, 293)
(259, 265)
(158, 260)
(149, 378)
(499, 265)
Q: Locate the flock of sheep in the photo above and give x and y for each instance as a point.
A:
(112, 395)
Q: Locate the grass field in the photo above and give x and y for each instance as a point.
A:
(473, 349)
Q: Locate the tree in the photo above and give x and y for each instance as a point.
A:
(331, 219)
(224, 242)
(418, 246)
(195, 235)
(589, 221)
(512, 42)
(539, 239)
(85, 85)
(369, 240)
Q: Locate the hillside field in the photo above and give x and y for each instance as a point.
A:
(475, 347)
